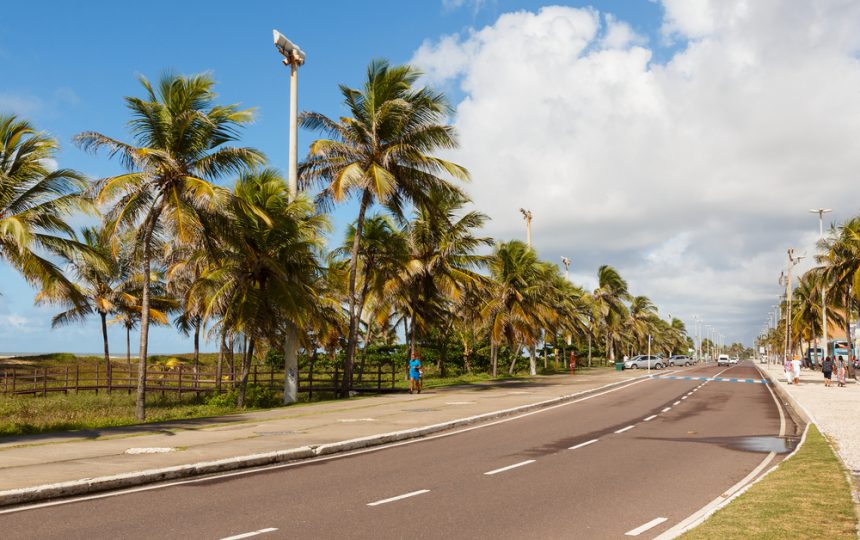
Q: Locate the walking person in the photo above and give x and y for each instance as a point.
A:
(795, 364)
(827, 370)
(789, 371)
(415, 373)
(841, 368)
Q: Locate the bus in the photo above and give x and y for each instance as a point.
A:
(839, 348)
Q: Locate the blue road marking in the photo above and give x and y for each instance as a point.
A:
(718, 379)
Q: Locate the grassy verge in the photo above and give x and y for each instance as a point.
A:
(808, 496)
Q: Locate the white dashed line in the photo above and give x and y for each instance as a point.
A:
(652, 417)
(586, 443)
(666, 409)
(622, 430)
(685, 397)
(642, 528)
(250, 534)
(404, 496)
(676, 403)
(509, 467)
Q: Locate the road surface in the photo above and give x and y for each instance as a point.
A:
(633, 460)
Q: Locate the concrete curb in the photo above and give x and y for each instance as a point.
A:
(788, 399)
(127, 480)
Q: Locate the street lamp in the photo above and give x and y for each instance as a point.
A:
(566, 262)
(821, 212)
(293, 57)
(527, 215)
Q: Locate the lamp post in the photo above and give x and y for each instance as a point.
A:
(527, 215)
(293, 57)
(649, 354)
(792, 262)
(821, 212)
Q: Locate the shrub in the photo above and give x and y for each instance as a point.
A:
(256, 397)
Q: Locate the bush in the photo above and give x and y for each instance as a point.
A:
(274, 359)
(256, 397)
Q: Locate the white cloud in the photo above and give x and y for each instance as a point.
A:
(692, 176)
(16, 323)
(20, 105)
(451, 5)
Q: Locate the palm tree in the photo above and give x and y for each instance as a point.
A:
(608, 306)
(180, 147)
(640, 321)
(264, 282)
(96, 281)
(841, 272)
(443, 263)
(382, 153)
(34, 201)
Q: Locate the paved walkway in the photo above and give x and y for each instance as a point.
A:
(834, 409)
(35, 460)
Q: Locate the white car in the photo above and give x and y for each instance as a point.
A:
(724, 360)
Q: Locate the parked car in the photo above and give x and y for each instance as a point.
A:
(733, 360)
(681, 360)
(724, 360)
(645, 361)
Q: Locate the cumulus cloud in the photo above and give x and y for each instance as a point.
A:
(693, 175)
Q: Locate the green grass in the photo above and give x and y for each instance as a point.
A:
(22, 415)
(808, 496)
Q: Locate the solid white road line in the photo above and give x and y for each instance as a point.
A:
(622, 430)
(509, 467)
(666, 409)
(586, 443)
(642, 528)
(250, 534)
(404, 496)
(652, 417)
(677, 403)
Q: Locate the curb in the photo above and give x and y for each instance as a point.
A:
(788, 399)
(126, 480)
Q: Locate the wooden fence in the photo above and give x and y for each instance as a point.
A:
(182, 380)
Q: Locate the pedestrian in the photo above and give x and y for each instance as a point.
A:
(827, 370)
(789, 371)
(841, 368)
(795, 364)
(415, 373)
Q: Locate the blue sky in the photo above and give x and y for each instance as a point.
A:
(66, 67)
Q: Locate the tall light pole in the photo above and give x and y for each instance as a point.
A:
(793, 260)
(823, 347)
(527, 215)
(293, 57)
(566, 262)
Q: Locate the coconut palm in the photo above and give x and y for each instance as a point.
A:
(640, 320)
(264, 281)
(34, 200)
(381, 153)
(607, 302)
(841, 269)
(180, 146)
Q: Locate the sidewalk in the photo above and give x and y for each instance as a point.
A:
(834, 409)
(292, 432)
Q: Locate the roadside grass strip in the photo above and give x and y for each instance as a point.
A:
(807, 496)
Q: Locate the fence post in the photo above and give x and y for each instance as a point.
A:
(77, 377)
(14, 373)
(393, 375)
(272, 379)
(255, 373)
(311, 382)
(35, 380)
(45, 382)
(66, 389)
(334, 383)
(378, 377)
(97, 379)
(180, 380)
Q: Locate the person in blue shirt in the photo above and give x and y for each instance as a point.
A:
(415, 373)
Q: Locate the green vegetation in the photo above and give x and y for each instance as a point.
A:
(197, 232)
(808, 496)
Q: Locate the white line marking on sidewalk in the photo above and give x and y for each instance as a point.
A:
(685, 397)
(250, 534)
(622, 430)
(666, 409)
(642, 528)
(652, 417)
(509, 467)
(404, 496)
(677, 403)
(586, 443)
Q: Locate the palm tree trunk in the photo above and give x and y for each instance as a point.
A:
(196, 350)
(467, 364)
(128, 349)
(148, 228)
(353, 316)
(368, 336)
(108, 370)
(494, 357)
(222, 353)
(443, 355)
(516, 353)
(291, 364)
(246, 370)
(589, 348)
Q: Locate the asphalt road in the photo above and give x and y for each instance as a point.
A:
(576, 470)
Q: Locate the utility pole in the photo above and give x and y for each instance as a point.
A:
(823, 347)
(527, 215)
(792, 262)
